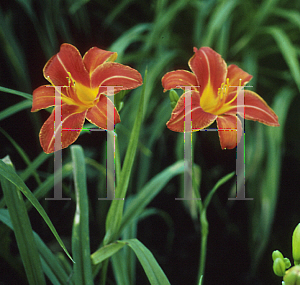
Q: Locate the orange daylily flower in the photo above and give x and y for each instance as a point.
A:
(213, 97)
(83, 84)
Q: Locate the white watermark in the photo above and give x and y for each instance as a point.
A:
(240, 149)
(110, 149)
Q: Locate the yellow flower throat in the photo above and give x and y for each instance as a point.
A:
(217, 105)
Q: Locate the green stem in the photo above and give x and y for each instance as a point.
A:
(203, 248)
(104, 271)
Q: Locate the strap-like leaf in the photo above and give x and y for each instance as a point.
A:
(80, 233)
(8, 173)
(23, 230)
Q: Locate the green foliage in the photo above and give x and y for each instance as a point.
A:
(262, 37)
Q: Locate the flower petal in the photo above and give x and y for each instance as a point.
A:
(235, 74)
(70, 119)
(66, 63)
(200, 119)
(43, 97)
(229, 126)
(96, 56)
(256, 109)
(97, 115)
(210, 69)
(177, 78)
(120, 76)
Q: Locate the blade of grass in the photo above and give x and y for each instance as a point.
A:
(106, 252)
(217, 20)
(258, 20)
(42, 190)
(50, 264)
(22, 153)
(262, 213)
(28, 171)
(15, 92)
(115, 213)
(152, 269)
(148, 192)
(8, 173)
(163, 20)
(120, 269)
(155, 274)
(204, 223)
(15, 109)
(32, 167)
(216, 187)
(117, 9)
(23, 231)
(80, 233)
(132, 35)
(288, 51)
(290, 15)
(13, 51)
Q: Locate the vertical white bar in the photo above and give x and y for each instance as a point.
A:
(110, 159)
(188, 167)
(110, 149)
(240, 149)
(188, 185)
(57, 148)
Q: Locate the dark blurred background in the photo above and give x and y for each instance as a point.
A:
(262, 37)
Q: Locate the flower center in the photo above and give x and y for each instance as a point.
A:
(217, 105)
(82, 93)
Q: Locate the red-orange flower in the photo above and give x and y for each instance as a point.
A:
(83, 84)
(213, 97)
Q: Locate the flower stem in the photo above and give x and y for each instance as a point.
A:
(203, 247)
(104, 272)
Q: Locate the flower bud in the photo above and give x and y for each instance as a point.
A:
(292, 276)
(173, 98)
(296, 245)
(276, 254)
(279, 267)
(287, 262)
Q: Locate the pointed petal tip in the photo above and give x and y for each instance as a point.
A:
(229, 131)
(179, 79)
(256, 109)
(68, 129)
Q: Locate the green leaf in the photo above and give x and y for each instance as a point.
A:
(22, 230)
(125, 272)
(155, 274)
(288, 51)
(290, 15)
(106, 252)
(22, 153)
(8, 173)
(153, 271)
(217, 20)
(114, 216)
(132, 35)
(15, 109)
(120, 268)
(32, 167)
(80, 232)
(50, 264)
(268, 174)
(163, 19)
(47, 185)
(217, 185)
(149, 191)
(15, 92)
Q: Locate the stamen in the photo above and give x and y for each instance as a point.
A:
(240, 84)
